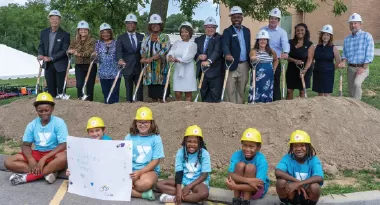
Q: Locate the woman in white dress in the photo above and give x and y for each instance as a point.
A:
(182, 54)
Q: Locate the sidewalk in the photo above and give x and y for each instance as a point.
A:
(377, 51)
(225, 196)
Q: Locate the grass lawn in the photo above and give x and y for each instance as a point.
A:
(377, 45)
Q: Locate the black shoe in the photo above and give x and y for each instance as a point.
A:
(236, 201)
(245, 202)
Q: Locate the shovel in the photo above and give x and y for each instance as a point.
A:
(254, 79)
(138, 82)
(63, 96)
(201, 81)
(226, 77)
(114, 82)
(39, 75)
(301, 68)
(85, 96)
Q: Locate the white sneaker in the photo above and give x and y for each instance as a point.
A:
(17, 179)
(166, 198)
(51, 177)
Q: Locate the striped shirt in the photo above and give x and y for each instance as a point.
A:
(264, 57)
(358, 48)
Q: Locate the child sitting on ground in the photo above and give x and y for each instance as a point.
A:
(299, 173)
(247, 174)
(147, 152)
(192, 168)
(96, 130)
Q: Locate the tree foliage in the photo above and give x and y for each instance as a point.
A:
(259, 9)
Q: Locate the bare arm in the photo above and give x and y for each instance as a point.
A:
(312, 180)
(310, 57)
(61, 147)
(283, 175)
(336, 56)
(150, 166)
(239, 179)
(26, 149)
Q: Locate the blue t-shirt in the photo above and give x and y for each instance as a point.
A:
(260, 163)
(190, 171)
(48, 137)
(106, 137)
(145, 149)
(309, 168)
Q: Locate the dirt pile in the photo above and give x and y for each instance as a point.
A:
(345, 132)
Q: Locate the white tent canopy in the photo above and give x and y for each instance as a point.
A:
(17, 64)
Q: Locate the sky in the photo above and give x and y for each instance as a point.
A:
(201, 13)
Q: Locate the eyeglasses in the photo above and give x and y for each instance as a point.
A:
(143, 122)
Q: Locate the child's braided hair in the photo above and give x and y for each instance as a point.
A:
(201, 144)
(310, 151)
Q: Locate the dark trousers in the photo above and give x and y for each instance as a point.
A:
(131, 80)
(212, 89)
(106, 88)
(54, 79)
(277, 83)
(80, 75)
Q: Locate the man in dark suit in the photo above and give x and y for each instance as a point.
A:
(54, 42)
(128, 48)
(236, 46)
(209, 54)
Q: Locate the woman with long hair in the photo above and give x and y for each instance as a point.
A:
(82, 47)
(324, 54)
(299, 46)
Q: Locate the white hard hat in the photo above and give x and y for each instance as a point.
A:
(275, 12)
(130, 18)
(83, 24)
(263, 34)
(155, 18)
(327, 29)
(354, 18)
(210, 21)
(105, 26)
(54, 13)
(236, 10)
(186, 23)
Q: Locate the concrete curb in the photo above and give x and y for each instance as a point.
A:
(225, 196)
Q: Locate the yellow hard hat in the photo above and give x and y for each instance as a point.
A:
(44, 97)
(95, 122)
(251, 135)
(194, 130)
(144, 113)
(299, 136)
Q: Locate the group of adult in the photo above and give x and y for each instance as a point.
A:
(221, 62)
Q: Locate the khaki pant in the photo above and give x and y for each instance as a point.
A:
(355, 82)
(236, 84)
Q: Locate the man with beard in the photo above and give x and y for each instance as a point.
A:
(236, 46)
(358, 52)
(128, 48)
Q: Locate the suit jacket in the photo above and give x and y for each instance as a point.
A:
(61, 44)
(231, 44)
(213, 52)
(125, 51)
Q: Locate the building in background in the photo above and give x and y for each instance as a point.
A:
(368, 9)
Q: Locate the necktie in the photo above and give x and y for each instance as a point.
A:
(133, 42)
(206, 44)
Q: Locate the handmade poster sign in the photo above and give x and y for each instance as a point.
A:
(100, 168)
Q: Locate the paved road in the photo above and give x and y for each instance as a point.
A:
(41, 193)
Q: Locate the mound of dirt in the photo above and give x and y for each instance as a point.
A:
(344, 131)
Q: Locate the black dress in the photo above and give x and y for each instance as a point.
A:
(293, 80)
(324, 69)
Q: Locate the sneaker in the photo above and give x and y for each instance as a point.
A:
(148, 195)
(51, 177)
(245, 202)
(18, 179)
(236, 201)
(166, 198)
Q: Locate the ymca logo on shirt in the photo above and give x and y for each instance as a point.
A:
(143, 151)
(191, 169)
(44, 138)
(301, 176)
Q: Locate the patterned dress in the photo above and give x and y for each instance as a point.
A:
(264, 79)
(156, 72)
